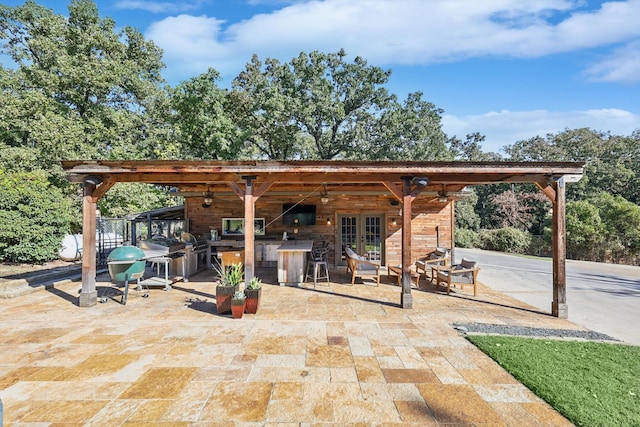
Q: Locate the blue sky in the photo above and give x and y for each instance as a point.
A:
(509, 69)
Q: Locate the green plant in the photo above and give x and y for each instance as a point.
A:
(255, 283)
(465, 238)
(508, 239)
(230, 275)
(239, 296)
(234, 274)
(34, 217)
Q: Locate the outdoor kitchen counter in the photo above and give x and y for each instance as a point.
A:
(292, 256)
(221, 245)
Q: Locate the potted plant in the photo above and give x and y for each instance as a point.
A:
(228, 285)
(238, 304)
(253, 292)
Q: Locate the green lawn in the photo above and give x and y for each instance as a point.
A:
(590, 383)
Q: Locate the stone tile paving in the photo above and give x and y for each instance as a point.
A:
(334, 355)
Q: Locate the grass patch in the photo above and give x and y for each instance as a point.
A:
(590, 383)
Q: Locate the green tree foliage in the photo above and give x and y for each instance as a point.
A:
(586, 232)
(34, 217)
(508, 239)
(320, 106)
(127, 198)
(466, 238)
(205, 129)
(603, 228)
(408, 131)
(622, 226)
(259, 105)
(471, 149)
(81, 89)
(612, 163)
(466, 215)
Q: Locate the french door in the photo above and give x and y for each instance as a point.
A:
(364, 233)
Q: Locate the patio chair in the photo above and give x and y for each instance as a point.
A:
(463, 274)
(360, 267)
(436, 257)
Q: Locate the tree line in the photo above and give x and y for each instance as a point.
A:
(81, 88)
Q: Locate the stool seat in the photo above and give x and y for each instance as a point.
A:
(318, 260)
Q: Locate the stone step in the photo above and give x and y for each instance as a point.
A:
(12, 288)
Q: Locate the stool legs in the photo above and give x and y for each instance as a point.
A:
(317, 271)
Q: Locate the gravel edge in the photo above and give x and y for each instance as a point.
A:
(495, 329)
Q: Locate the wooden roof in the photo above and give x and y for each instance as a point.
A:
(197, 175)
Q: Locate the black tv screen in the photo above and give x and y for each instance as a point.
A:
(306, 214)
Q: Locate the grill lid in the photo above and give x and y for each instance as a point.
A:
(126, 253)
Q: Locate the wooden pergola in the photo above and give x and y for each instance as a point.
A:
(250, 180)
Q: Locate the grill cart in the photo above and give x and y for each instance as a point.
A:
(126, 263)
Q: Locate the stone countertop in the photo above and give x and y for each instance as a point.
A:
(296, 245)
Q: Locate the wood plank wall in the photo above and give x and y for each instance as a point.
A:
(431, 225)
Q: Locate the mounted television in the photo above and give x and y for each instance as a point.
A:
(305, 214)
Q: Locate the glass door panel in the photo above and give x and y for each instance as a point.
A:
(348, 235)
(372, 232)
(364, 234)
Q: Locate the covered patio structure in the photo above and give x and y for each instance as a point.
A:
(365, 184)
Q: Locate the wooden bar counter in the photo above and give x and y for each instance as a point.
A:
(292, 257)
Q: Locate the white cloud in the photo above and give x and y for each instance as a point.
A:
(400, 31)
(507, 127)
(191, 44)
(623, 65)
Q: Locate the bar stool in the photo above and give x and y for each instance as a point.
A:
(318, 259)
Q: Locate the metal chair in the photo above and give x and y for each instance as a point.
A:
(317, 259)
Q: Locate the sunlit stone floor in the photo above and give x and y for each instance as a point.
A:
(333, 355)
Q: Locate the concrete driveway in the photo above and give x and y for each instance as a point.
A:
(601, 297)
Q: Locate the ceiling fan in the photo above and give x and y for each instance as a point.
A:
(206, 195)
(444, 196)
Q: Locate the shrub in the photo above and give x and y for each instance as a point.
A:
(508, 239)
(34, 217)
(465, 238)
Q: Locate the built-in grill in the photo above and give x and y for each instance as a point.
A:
(195, 252)
(167, 251)
(161, 246)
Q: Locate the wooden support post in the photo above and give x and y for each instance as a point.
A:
(88, 294)
(452, 225)
(249, 230)
(559, 306)
(406, 298)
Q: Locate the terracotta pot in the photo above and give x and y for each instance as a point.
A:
(237, 308)
(253, 300)
(223, 298)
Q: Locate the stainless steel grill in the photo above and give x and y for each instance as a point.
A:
(195, 253)
(162, 246)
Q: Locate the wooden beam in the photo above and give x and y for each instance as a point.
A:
(406, 299)
(236, 189)
(262, 189)
(88, 293)
(394, 189)
(101, 190)
(249, 232)
(547, 190)
(559, 305)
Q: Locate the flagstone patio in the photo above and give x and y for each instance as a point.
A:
(334, 355)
